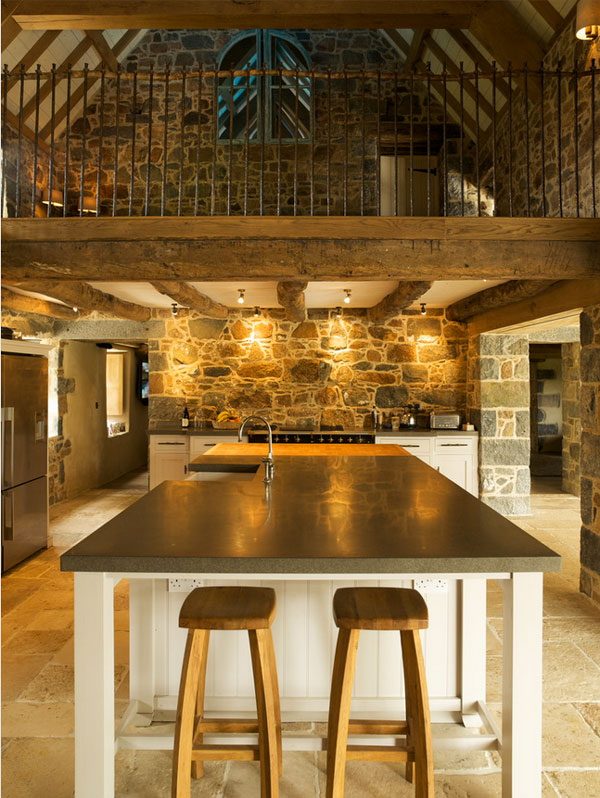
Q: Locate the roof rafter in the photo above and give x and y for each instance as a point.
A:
(550, 15)
(476, 56)
(416, 48)
(102, 48)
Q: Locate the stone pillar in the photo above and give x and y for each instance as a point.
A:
(590, 452)
(498, 402)
(571, 417)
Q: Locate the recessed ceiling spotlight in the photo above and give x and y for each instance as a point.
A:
(348, 296)
(75, 309)
(423, 309)
(174, 309)
(241, 298)
(256, 312)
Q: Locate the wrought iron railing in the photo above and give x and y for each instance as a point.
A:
(515, 142)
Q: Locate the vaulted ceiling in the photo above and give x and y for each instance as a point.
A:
(64, 32)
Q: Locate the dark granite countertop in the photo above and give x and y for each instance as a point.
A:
(329, 515)
(209, 431)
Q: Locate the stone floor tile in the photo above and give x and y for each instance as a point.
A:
(37, 641)
(49, 600)
(591, 714)
(576, 784)
(51, 620)
(54, 683)
(568, 674)
(471, 786)
(299, 777)
(568, 739)
(66, 654)
(19, 671)
(38, 768)
(13, 623)
(147, 774)
(16, 591)
(20, 719)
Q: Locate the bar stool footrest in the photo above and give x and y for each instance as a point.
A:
(379, 753)
(240, 753)
(399, 727)
(227, 726)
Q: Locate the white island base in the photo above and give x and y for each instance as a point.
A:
(304, 634)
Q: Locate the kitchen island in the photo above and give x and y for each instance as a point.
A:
(347, 516)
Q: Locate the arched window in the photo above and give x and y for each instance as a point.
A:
(264, 108)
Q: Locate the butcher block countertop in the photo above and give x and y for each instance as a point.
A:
(304, 450)
(336, 512)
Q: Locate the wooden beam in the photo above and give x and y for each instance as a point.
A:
(81, 295)
(565, 296)
(30, 304)
(31, 58)
(101, 47)
(477, 57)
(416, 48)
(10, 31)
(495, 297)
(503, 34)
(550, 15)
(453, 69)
(188, 297)
(398, 299)
(300, 248)
(206, 14)
(290, 295)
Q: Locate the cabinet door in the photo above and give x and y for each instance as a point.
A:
(167, 465)
(200, 444)
(458, 468)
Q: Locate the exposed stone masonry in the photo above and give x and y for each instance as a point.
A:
(498, 405)
(320, 371)
(571, 429)
(590, 452)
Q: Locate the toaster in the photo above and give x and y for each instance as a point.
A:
(444, 420)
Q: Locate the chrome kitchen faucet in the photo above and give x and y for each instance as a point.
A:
(268, 460)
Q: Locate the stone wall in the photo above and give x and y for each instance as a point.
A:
(565, 51)
(324, 370)
(571, 428)
(590, 452)
(498, 405)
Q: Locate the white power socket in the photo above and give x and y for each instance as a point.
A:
(184, 585)
(431, 585)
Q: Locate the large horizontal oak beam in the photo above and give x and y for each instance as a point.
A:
(206, 14)
(495, 297)
(563, 297)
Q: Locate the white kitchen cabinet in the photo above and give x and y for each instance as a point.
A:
(451, 454)
(169, 458)
(200, 444)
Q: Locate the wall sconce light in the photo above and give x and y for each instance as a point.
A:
(241, 298)
(174, 309)
(338, 312)
(423, 309)
(587, 26)
(256, 312)
(75, 309)
(348, 296)
(88, 207)
(56, 200)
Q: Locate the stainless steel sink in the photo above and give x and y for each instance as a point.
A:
(214, 472)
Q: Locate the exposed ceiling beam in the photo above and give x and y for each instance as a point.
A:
(46, 87)
(206, 14)
(81, 295)
(550, 15)
(564, 296)
(290, 295)
(188, 297)
(13, 121)
(398, 299)
(31, 58)
(416, 48)
(30, 304)
(453, 69)
(77, 95)
(101, 47)
(501, 31)
(10, 29)
(477, 57)
(495, 297)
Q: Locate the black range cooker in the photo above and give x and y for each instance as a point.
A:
(313, 436)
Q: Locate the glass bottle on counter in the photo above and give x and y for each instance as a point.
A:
(185, 418)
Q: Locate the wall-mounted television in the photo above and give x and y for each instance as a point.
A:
(143, 381)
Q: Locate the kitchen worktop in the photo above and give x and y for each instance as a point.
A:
(176, 430)
(225, 451)
(345, 513)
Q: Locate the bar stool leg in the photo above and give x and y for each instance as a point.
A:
(339, 710)
(186, 709)
(414, 669)
(276, 701)
(266, 710)
(198, 764)
(410, 699)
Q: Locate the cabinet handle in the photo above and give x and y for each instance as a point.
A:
(454, 444)
(185, 469)
(172, 443)
(209, 444)
(410, 446)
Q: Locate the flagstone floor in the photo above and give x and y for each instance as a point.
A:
(37, 679)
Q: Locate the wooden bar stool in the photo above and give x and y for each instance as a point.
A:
(380, 608)
(229, 608)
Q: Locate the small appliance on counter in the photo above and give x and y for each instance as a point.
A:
(444, 420)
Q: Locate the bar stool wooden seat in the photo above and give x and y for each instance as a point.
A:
(227, 608)
(380, 608)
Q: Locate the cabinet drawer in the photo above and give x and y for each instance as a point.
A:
(169, 443)
(455, 445)
(412, 445)
(200, 444)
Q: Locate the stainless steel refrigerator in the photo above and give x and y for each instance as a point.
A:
(24, 457)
